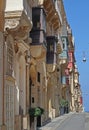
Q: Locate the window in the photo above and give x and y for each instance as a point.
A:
(63, 45)
(51, 47)
(38, 77)
(32, 99)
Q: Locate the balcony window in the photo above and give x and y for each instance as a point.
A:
(63, 55)
(51, 49)
(38, 77)
(51, 58)
(51, 43)
(38, 18)
(38, 37)
(67, 80)
(63, 80)
(32, 99)
(64, 41)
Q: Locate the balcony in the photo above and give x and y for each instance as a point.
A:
(71, 40)
(38, 45)
(53, 14)
(51, 52)
(39, 19)
(65, 81)
(51, 58)
(63, 57)
(51, 49)
(59, 45)
(38, 37)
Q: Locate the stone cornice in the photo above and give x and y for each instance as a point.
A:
(23, 47)
(13, 19)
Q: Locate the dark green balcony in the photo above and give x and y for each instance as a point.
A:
(38, 37)
(51, 53)
(51, 49)
(38, 19)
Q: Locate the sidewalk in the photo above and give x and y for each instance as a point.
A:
(56, 122)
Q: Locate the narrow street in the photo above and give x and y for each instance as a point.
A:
(44, 65)
(74, 121)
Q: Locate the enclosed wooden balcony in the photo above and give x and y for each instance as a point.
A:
(63, 57)
(38, 33)
(51, 52)
(59, 45)
(38, 45)
(38, 19)
(38, 37)
(71, 45)
(65, 81)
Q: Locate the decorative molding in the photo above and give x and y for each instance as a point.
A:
(19, 33)
(18, 22)
(18, 17)
(10, 78)
(11, 23)
(22, 47)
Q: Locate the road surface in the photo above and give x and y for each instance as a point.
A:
(78, 121)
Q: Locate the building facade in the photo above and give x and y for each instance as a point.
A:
(37, 63)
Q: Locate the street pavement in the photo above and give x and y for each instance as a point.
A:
(70, 121)
(75, 122)
(87, 121)
(56, 122)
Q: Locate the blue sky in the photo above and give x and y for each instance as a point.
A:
(77, 12)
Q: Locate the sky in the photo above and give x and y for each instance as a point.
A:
(77, 13)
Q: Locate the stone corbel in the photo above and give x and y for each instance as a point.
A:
(18, 25)
(20, 33)
(22, 46)
(14, 19)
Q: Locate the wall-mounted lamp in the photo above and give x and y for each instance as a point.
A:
(84, 59)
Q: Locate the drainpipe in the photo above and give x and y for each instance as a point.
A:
(3, 127)
(3, 85)
(26, 120)
(2, 8)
